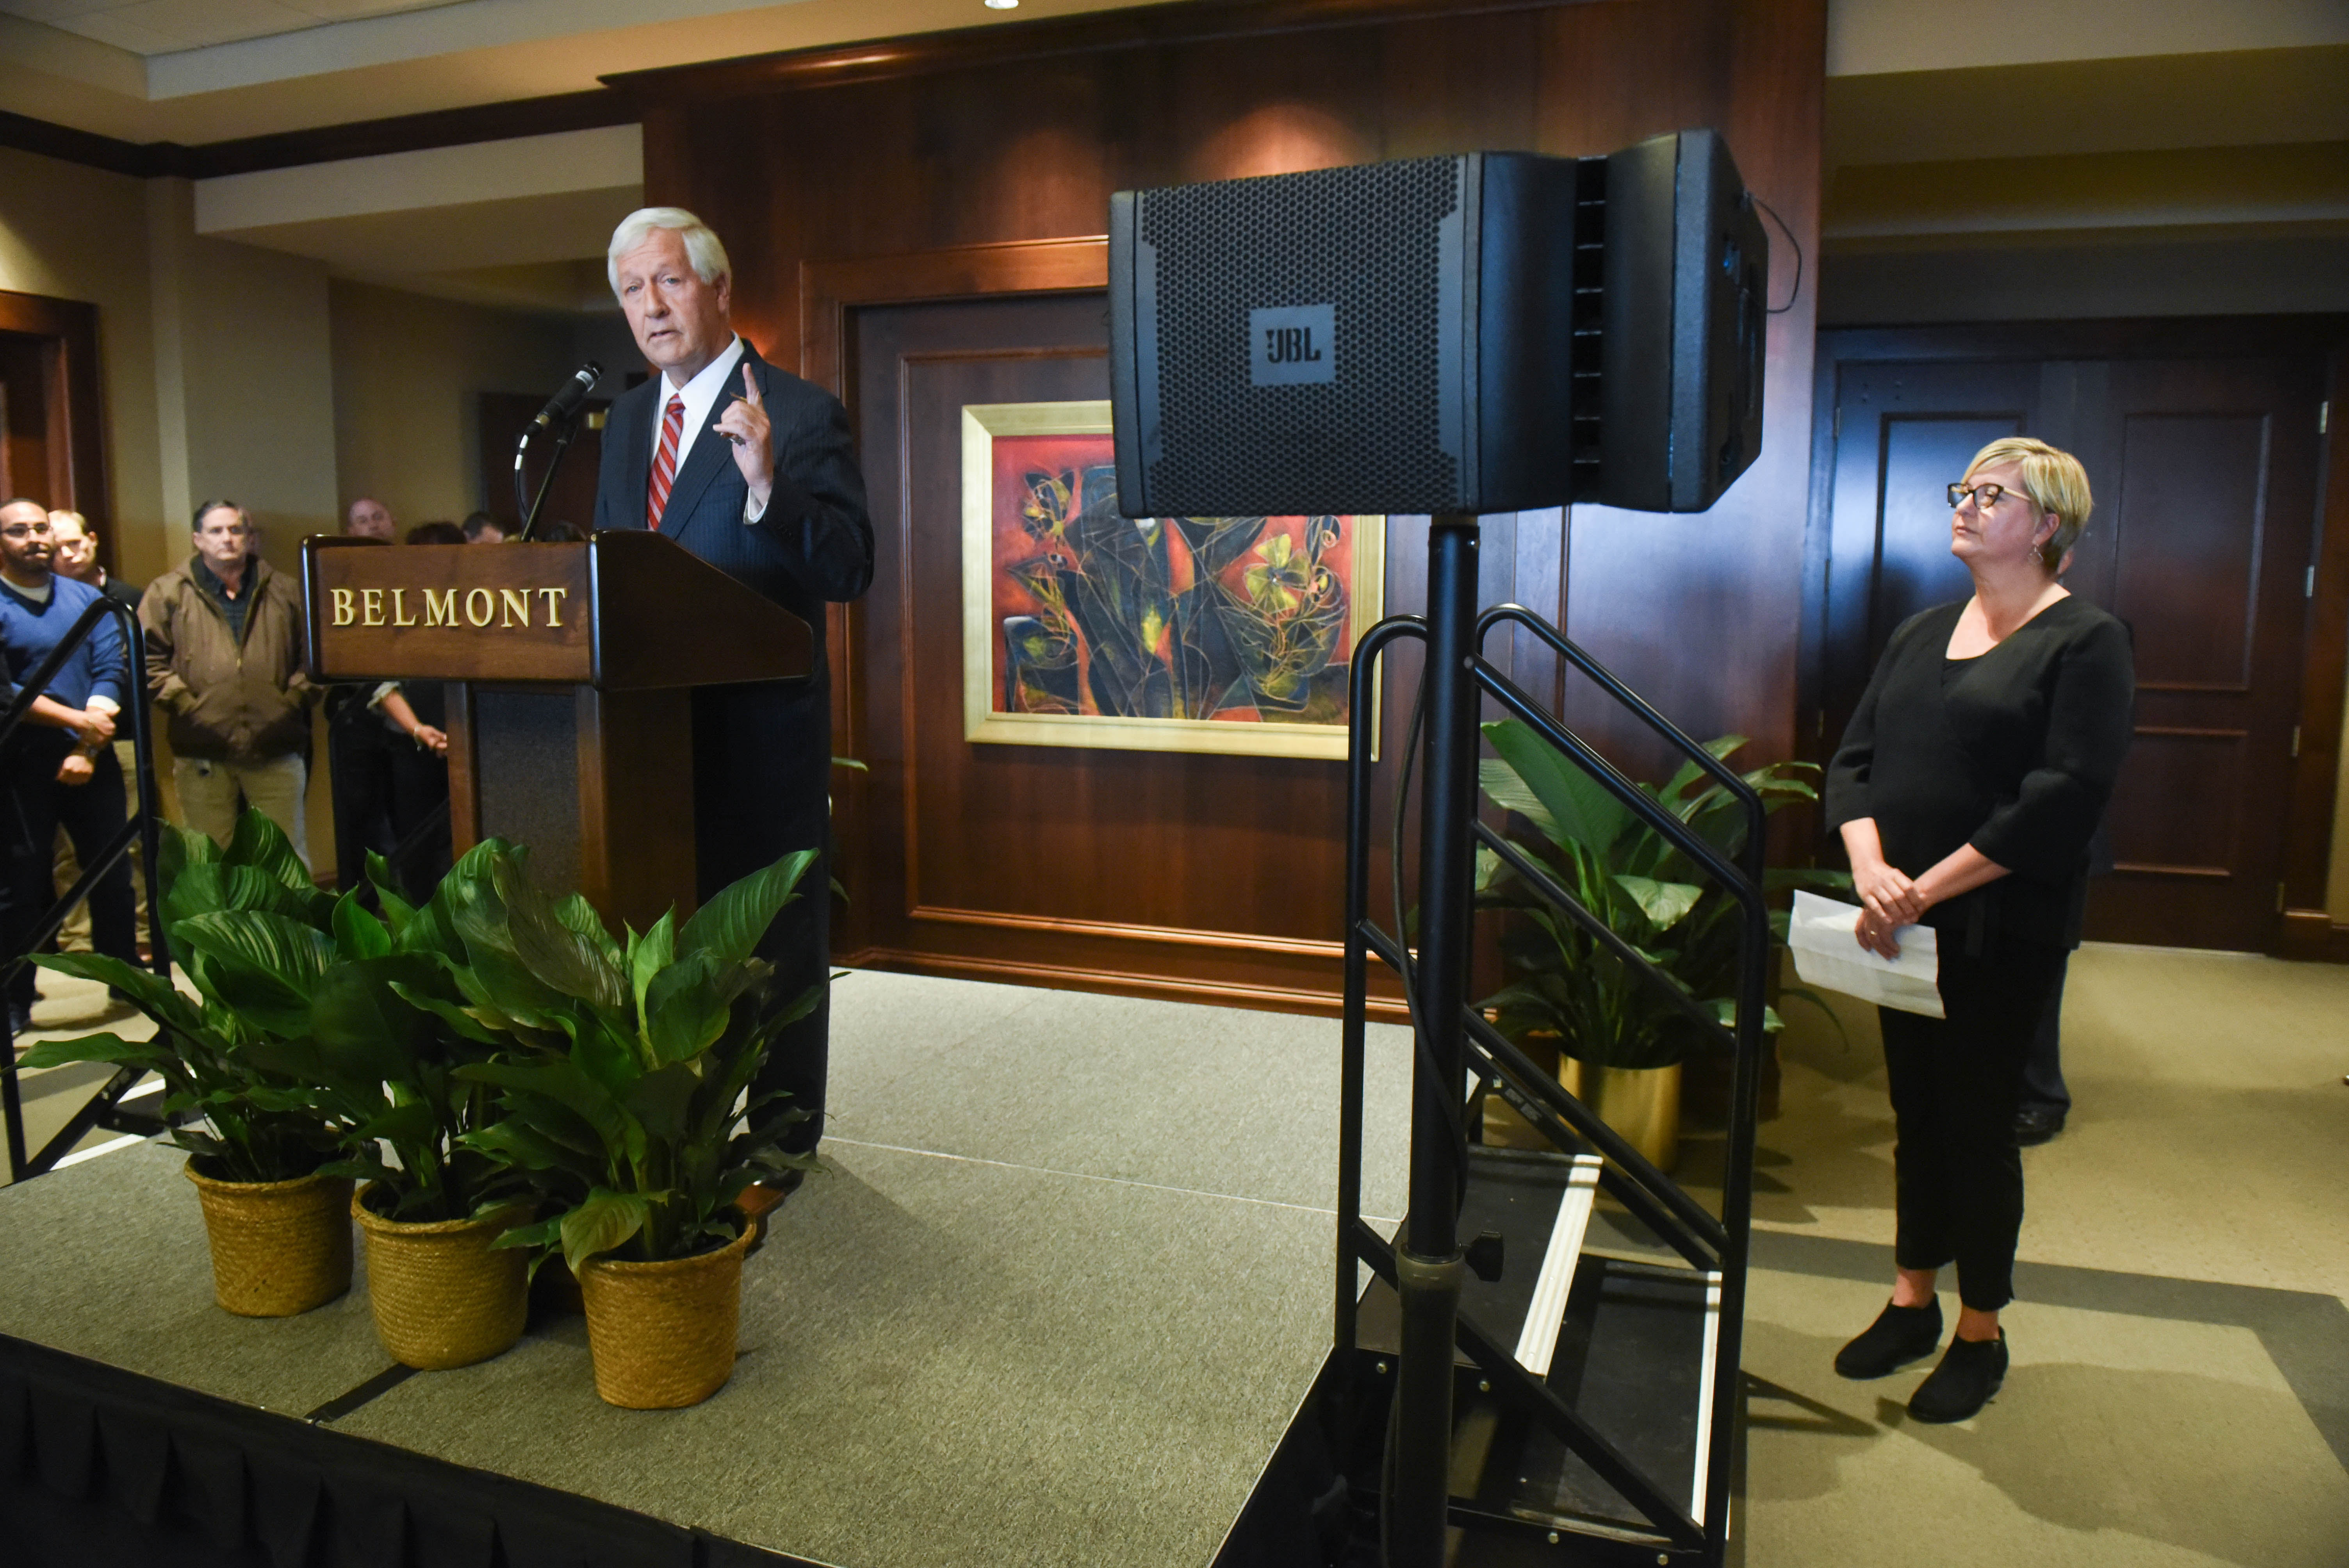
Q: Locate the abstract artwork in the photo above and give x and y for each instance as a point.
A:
(1082, 627)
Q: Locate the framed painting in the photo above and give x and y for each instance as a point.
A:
(1080, 628)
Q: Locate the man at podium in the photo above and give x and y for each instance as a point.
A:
(750, 469)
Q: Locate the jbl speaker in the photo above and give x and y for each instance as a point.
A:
(1490, 332)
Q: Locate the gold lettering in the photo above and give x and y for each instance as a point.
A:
(517, 602)
(488, 607)
(554, 597)
(370, 606)
(345, 611)
(440, 607)
(399, 615)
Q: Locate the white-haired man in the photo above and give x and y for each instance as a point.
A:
(750, 469)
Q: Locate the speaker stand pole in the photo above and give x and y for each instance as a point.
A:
(1429, 1266)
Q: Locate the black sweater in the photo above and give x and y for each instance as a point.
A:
(2013, 752)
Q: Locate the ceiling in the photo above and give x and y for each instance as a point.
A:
(1996, 122)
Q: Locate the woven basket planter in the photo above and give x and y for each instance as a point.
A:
(278, 1247)
(662, 1334)
(442, 1295)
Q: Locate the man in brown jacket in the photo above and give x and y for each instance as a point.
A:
(225, 669)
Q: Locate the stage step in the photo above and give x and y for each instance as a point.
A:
(1629, 1344)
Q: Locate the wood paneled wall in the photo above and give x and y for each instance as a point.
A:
(815, 166)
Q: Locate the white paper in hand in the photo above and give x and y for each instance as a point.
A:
(1825, 937)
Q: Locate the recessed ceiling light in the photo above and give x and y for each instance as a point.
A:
(1003, 4)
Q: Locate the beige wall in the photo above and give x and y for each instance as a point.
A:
(408, 374)
(80, 234)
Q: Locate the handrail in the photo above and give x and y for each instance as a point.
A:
(1736, 880)
(1605, 680)
(1598, 931)
(141, 826)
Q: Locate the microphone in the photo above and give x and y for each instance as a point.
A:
(567, 398)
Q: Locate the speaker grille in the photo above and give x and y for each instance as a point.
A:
(1364, 240)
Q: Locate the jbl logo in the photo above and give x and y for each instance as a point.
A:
(1289, 345)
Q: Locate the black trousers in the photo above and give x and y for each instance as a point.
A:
(91, 815)
(2043, 1071)
(762, 767)
(1956, 1084)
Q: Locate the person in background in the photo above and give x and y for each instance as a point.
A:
(480, 528)
(60, 769)
(76, 557)
(1966, 789)
(224, 646)
(370, 519)
(359, 740)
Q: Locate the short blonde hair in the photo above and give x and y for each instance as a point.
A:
(61, 515)
(2054, 481)
(702, 247)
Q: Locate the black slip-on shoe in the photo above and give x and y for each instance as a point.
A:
(1898, 1335)
(1969, 1375)
(2035, 1125)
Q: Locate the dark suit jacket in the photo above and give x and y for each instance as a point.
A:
(762, 753)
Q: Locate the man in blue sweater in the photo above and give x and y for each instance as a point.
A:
(59, 767)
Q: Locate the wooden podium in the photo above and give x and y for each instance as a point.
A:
(570, 728)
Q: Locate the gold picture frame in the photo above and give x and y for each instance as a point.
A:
(1283, 614)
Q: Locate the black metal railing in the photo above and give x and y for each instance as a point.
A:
(1711, 1245)
(104, 1109)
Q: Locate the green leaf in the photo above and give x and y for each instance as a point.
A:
(563, 1083)
(1663, 903)
(1580, 807)
(650, 953)
(364, 1035)
(265, 966)
(730, 924)
(448, 1012)
(154, 996)
(660, 1101)
(604, 1220)
(558, 955)
(579, 916)
(356, 932)
(261, 844)
(95, 1048)
(684, 1011)
(396, 911)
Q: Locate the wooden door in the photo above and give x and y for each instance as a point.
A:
(2204, 475)
(2204, 472)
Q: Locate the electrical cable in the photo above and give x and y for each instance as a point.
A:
(1797, 292)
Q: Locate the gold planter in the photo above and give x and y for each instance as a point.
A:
(442, 1296)
(278, 1247)
(1643, 1104)
(662, 1334)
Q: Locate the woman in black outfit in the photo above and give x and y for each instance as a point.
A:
(1967, 787)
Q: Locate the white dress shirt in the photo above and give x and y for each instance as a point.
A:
(703, 403)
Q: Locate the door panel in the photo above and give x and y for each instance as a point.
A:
(2209, 510)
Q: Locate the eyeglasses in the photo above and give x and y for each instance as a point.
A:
(25, 530)
(1983, 496)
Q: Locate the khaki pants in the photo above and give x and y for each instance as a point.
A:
(209, 792)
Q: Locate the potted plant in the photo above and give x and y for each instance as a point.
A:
(240, 920)
(1620, 1041)
(389, 1039)
(622, 1089)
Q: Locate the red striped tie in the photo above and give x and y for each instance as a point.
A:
(665, 465)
